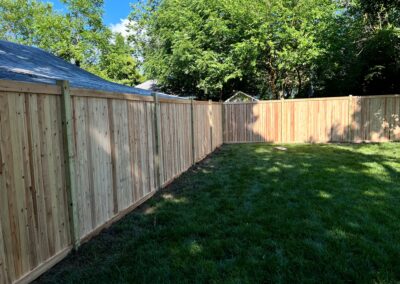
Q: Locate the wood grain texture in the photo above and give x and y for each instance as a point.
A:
(117, 156)
(34, 209)
(202, 127)
(30, 88)
(4, 276)
(68, 146)
(175, 139)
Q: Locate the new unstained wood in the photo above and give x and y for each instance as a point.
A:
(123, 149)
(343, 119)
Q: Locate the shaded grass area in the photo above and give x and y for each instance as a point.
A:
(250, 213)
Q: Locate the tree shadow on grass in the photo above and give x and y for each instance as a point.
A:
(250, 213)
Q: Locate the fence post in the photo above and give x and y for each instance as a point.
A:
(4, 275)
(192, 130)
(223, 121)
(211, 120)
(1, 162)
(349, 117)
(157, 136)
(282, 103)
(69, 157)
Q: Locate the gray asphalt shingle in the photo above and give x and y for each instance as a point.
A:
(31, 64)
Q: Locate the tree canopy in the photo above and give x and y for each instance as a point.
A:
(78, 35)
(270, 48)
(212, 49)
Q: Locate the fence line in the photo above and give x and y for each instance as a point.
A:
(122, 148)
(320, 120)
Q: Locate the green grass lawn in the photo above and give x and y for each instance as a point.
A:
(250, 213)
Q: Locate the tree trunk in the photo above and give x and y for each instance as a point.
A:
(300, 82)
(272, 79)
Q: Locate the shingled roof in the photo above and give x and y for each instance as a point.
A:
(30, 64)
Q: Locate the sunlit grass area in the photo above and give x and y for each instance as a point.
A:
(251, 213)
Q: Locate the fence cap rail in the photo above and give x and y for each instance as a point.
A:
(47, 89)
(314, 99)
(41, 88)
(25, 87)
(89, 93)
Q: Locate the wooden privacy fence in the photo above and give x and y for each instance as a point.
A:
(341, 119)
(72, 161)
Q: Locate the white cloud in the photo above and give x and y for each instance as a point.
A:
(121, 28)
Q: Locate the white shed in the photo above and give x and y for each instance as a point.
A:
(240, 97)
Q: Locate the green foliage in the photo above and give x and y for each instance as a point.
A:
(87, 34)
(363, 51)
(78, 36)
(214, 47)
(33, 23)
(118, 63)
(269, 48)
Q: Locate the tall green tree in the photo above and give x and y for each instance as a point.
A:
(270, 48)
(363, 50)
(119, 64)
(87, 34)
(78, 35)
(211, 48)
(33, 23)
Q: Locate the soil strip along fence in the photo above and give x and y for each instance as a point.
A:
(73, 161)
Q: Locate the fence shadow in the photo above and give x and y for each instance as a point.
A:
(353, 119)
(115, 163)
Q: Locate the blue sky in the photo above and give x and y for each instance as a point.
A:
(114, 10)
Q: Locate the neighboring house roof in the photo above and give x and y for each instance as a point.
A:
(241, 97)
(150, 85)
(30, 64)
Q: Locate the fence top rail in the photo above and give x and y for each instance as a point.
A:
(25, 87)
(254, 103)
(41, 88)
(206, 103)
(315, 99)
(47, 89)
(88, 93)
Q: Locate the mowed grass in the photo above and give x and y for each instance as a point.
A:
(253, 214)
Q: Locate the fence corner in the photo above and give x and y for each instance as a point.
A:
(157, 141)
(69, 159)
(192, 130)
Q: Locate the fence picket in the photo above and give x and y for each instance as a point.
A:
(321, 120)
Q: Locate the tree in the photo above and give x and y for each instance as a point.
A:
(294, 43)
(119, 64)
(33, 23)
(270, 48)
(363, 47)
(196, 47)
(88, 36)
(211, 48)
(78, 36)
